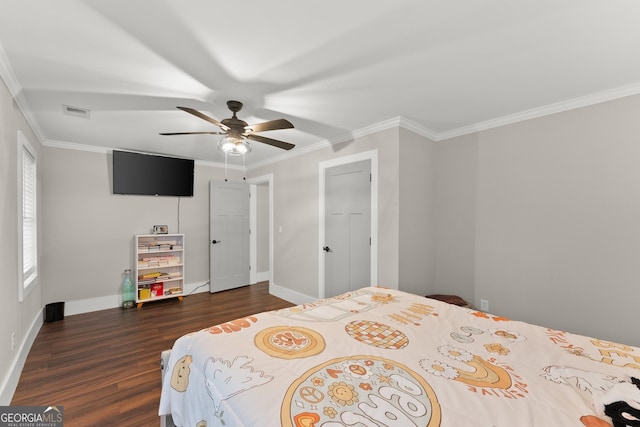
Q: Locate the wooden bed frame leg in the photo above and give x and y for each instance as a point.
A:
(180, 298)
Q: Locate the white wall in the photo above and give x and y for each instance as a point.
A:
(556, 219)
(22, 318)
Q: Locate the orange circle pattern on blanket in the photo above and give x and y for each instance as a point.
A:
(377, 334)
(360, 390)
(289, 342)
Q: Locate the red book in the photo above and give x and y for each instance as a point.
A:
(157, 290)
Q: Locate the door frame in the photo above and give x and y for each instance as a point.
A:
(253, 218)
(371, 155)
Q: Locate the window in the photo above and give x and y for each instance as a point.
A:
(27, 227)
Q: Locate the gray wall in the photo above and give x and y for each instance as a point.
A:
(295, 188)
(416, 237)
(262, 228)
(88, 231)
(542, 218)
(22, 318)
(455, 234)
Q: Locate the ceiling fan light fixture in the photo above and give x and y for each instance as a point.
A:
(234, 146)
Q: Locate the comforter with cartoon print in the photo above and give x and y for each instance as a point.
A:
(382, 357)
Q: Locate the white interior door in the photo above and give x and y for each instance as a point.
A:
(228, 235)
(347, 243)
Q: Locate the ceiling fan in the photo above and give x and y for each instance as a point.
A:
(238, 131)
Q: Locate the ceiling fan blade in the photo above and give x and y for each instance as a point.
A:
(203, 117)
(193, 133)
(274, 142)
(271, 125)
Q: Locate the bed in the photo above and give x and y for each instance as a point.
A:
(382, 357)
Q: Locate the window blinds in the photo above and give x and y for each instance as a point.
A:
(29, 189)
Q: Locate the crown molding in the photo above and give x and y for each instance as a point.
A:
(349, 136)
(15, 89)
(78, 147)
(417, 128)
(7, 74)
(346, 137)
(219, 165)
(534, 113)
(105, 150)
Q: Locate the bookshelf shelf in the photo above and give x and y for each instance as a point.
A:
(156, 267)
(159, 272)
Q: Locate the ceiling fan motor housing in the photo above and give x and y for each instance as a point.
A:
(234, 106)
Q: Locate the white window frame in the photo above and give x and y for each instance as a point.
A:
(29, 280)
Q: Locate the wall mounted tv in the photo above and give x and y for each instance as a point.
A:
(147, 174)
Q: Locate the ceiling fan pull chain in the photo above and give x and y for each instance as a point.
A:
(244, 167)
(225, 167)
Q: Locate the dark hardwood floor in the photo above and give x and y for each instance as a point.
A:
(104, 367)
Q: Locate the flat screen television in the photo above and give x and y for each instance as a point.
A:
(147, 174)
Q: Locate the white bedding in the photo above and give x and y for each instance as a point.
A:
(381, 357)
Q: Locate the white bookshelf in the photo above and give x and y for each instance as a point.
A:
(159, 272)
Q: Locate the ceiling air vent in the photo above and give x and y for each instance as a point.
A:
(84, 113)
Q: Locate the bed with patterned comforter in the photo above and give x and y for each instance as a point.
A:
(382, 357)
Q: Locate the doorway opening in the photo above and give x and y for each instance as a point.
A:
(261, 225)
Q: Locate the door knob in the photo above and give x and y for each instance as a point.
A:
(216, 241)
(326, 248)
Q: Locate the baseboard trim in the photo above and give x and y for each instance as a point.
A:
(263, 276)
(10, 383)
(91, 304)
(289, 295)
(113, 301)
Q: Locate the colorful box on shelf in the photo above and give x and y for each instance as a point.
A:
(144, 293)
(157, 290)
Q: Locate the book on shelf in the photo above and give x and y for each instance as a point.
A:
(148, 276)
(157, 261)
(151, 278)
(157, 289)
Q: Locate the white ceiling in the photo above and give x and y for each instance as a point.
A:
(332, 68)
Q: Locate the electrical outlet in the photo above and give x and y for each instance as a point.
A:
(13, 341)
(484, 304)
